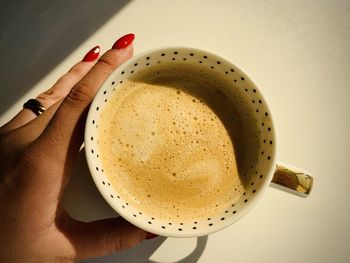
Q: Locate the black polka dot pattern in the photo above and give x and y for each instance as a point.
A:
(255, 171)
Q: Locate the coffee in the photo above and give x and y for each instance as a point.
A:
(168, 140)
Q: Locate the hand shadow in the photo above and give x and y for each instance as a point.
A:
(82, 201)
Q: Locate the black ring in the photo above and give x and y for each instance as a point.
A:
(35, 106)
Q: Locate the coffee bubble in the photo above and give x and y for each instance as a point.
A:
(172, 157)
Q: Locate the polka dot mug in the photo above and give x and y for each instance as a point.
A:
(260, 168)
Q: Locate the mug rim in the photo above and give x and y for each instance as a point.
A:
(165, 232)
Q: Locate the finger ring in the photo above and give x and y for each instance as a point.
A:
(35, 106)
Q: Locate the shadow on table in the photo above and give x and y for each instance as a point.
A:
(142, 253)
(83, 201)
(36, 35)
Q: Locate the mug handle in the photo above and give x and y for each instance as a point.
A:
(292, 180)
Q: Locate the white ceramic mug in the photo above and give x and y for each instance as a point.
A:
(260, 172)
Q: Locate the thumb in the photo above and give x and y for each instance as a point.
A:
(102, 237)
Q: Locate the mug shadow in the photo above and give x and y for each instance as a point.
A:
(144, 251)
(195, 254)
(83, 201)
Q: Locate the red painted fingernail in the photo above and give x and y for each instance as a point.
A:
(150, 236)
(92, 54)
(124, 41)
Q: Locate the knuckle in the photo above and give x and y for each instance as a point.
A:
(80, 95)
(123, 242)
(50, 95)
(126, 245)
(76, 72)
(65, 78)
(117, 243)
(107, 64)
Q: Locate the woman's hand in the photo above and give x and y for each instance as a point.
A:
(37, 154)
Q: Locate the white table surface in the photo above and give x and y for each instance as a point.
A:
(298, 52)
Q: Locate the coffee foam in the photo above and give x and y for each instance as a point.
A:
(165, 151)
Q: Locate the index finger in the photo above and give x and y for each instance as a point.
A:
(60, 142)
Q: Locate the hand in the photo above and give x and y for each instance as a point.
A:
(36, 157)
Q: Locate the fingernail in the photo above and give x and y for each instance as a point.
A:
(92, 54)
(124, 41)
(150, 235)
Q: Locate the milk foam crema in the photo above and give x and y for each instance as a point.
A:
(166, 152)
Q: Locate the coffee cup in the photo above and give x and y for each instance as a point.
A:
(232, 104)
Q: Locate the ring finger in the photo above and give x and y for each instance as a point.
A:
(57, 92)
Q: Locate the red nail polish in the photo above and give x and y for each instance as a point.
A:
(92, 54)
(150, 236)
(124, 41)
